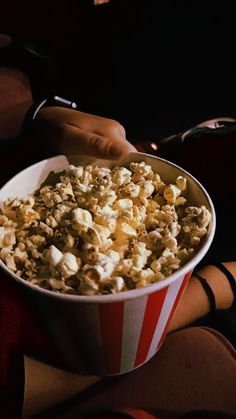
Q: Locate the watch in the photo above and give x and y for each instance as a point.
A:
(44, 103)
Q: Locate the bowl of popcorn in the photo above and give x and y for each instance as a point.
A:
(104, 250)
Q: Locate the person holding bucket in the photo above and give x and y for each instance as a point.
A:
(212, 288)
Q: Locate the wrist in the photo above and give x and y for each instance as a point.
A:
(34, 109)
(219, 285)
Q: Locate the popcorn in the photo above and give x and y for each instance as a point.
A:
(7, 237)
(124, 231)
(100, 230)
(132, 189)
(171, 193)
(123, 204)
(121, 176)
(82, 218)
(54, 255)
(146, 190)
(181, 182)
(68, 265)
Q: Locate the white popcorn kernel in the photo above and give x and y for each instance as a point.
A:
(139, 261)
(46, 229)
(68, 265)
(37, 240)
(7, 237)
(101, 173)
(120, 247)
(156, 266)
(152, 206)
(51, 198)
(91, 235)
(10, 262)
(139, 215)
(175, 228)
(146, 190)
(170, 242)
(54, 255)
(77, 172)
(4, 252)
(180, 201)
(19, 255)
(195, 240)
(115, 257)
(87, 285)
(121, 176)
(106, 262)
(82, 219)
(125, 266)
(171, 193)
(132, 189)
(123, 231)
(94, 272)
(181, 182)
(156, 181)
(117, 284)
(65, 189)
(141, 170)
(123, 204)
(69, 241)
(204, 217)
(51, 221)
(109, 197)
(103, 232)
(145, 274)
(126, 216)
(158, 276)
(140, 248)
(154, 239)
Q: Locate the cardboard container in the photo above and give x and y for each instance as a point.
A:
(109, 334)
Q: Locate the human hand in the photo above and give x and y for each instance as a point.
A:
(73, 132)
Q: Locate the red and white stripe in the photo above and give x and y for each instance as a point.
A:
(110, 338)
(132, 331)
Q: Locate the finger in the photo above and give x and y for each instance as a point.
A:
(102, 126)
(73, 140)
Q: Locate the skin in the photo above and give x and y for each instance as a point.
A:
(74, 132)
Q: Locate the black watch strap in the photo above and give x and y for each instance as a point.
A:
(44, 103)
(51, 101)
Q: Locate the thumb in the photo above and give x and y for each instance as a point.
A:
(76, 140)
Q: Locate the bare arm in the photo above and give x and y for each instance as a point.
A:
(195, 304)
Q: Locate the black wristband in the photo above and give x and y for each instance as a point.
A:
(44, 103)
(229, 276)
(208, 291)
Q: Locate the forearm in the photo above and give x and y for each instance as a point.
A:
(195, 303)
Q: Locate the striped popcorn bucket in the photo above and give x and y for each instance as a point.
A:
(116, 333)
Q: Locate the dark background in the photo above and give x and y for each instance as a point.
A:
(157, 67)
